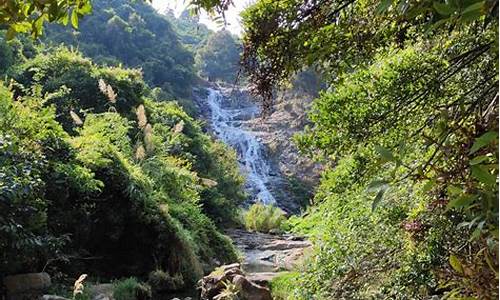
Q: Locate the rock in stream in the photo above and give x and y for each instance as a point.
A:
(266, 256)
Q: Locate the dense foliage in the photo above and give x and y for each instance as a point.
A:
(191, 32)
(264, 218)
(22, 16)
(134, 34)
(96, 173)
(408, 206)
(219, 58)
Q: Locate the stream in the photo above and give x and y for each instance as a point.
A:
(227, 125)
(265, 255)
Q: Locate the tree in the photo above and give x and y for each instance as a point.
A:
(133, 34)
(281, 37)
(408, 131)
(23, 16)
(30, 16)
(219, 58)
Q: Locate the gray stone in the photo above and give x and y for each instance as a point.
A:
(262, 278)
(251, 291)
(102, 297)
(285, 245)
(26, 286)
(53, 297)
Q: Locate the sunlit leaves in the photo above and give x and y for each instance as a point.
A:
(74, 19)
(30, 16)
(456, 264)
(483, 141)
(378, 197)
(384, 153)
(482, 174)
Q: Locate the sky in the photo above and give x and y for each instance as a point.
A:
(232, 15)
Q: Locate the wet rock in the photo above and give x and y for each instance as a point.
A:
(102, 297)
(269, 257)
(251, 291)
(291, 259)
(285, 245)
(53, 297)
(103, 291)
(263, 278)
(231, 266)
(212, 284)
(26, 286)
(295, 238)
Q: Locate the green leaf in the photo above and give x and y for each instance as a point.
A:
(85, 9)
(378, 198)
(429, 185)
(11, 33)
(74, 19)
(483, 140)
(478, 159)
(454, 190)
(22, 27)
(376, 185)
(480, 173)
(443, 8)
(437, 24)
(383, 6)
(385, 153)
(475, 234)
(470, 16)
(65, 19)
(456, 264)
(478, 6)
(462, 201)
(37, 27)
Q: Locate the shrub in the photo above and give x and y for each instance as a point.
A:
(131, 289)
(161, 281)
(283, 285)
(264, 218)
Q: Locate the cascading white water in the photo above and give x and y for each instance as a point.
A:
(250, 151)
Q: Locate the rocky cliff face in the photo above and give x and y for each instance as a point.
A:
(287, 117)
(291, 177)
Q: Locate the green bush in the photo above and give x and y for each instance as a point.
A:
(132, 33)
(161, 281)
(282, 286)
(131, 289)
(135, 167)
(264, 218)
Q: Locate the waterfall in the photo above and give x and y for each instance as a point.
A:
(227, 125)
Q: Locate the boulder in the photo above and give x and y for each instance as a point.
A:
(292, 259)
(26, 286)
(251, 291)
(103, 291)
(212, 284)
